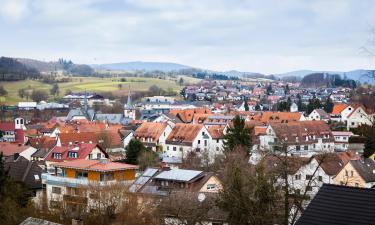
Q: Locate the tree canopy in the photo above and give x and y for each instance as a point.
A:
(238, 136)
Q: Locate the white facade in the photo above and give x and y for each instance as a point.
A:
(341, 140)
(294, 107)
(357, 118)
(202, 144)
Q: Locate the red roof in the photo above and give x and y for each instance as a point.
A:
(96, 165)
(83, 151)
(9, 149)
(7, 126)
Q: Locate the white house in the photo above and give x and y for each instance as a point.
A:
(293, 107)
(358, 117)
(341, 140)
(153, 134)
(303, 138)
(318, 114)
(187, 138)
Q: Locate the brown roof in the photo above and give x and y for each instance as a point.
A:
(291, 132)
(186, 115)
(269, 117)
(216, 131)
(150, 130)
(331, 163)
(184, 133)
(95, 165)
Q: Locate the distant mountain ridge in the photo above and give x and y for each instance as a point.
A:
(357, 75)
(144, 66)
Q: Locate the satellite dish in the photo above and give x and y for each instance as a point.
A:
(201, 197)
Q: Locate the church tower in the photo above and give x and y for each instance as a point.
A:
(129, 110)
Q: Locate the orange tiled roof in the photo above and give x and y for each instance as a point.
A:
(186, 115)
(185, 133)
(216, 131)
(338, 108)
(9, 149)
(268, 116)
(150, 130)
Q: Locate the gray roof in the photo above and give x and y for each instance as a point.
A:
(26, 171)
(365, 168)
(178, 175)
(172, 160)
(143, 179)
(117, 118)
(322, 113)
(79, 112)
(36, 221)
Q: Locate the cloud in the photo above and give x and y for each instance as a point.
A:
(14, 10)
(257, 35)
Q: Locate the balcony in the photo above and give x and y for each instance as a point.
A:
(72, 199)
(73, 182)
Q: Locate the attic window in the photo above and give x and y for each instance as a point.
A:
(36, 177)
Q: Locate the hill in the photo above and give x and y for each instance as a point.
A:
(326, 80)
(11, 69)
(143, 66)
(357, 75)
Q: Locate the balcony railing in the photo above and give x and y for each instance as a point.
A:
(74, 182)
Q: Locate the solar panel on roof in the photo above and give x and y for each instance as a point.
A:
(149, 172)
(178, 174)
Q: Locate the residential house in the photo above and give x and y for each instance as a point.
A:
(14, 150)
(359, 117)
(319, 114)
(74, 152)
(303, 138)
(187, 138)
(13, 131)
(153, 135)
(74, 183)
(357, 173)
(217, 143)
(341, 140)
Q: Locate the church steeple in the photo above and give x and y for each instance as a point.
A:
(129, 110)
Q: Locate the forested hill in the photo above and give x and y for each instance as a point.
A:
(21, 68)
(326, 80)
(11, 69)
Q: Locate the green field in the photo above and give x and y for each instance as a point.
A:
(90, 84)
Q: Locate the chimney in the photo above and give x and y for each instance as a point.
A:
(77, 222)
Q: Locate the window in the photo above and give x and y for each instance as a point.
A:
(320, 178)
(217, 148)
(99, 155)
(81, 175)
(168, 148)
(297, 176)
(298, 147)
(199, 141)
(308, 177)
(57, 155)
(352, 173)
(217, 141)
(297, 191)
(203, 133)
(56, 190)
(211, 186)
(181, 149)
(90, 156)
(308, 188)
(72, 154)
(346, 173)
(54, 204)
(306, 147)
(205, 142)
(174, 148)
(356, 184)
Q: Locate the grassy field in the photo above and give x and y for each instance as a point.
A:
(90, 84)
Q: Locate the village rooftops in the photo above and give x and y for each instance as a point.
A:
(9, 149)
(184, 133)
(102, 165)
(151, 130)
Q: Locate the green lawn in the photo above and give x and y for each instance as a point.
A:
(89, 84)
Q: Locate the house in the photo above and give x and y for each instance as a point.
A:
(74, 152)
(73, 183)
(152, 134)
(13, 131)
(43, 145)
(126, 136)
(335, 204)
(27, 105)
(358, 117)
(159, 99)
(14, 150)
(319, 114)
(66, 139)
(357, 173)
(217, 134)
(303, 138)
(163, 182)
(341, 140)
(26, 171)
(187, 115)
(282, 117)
(187, 138)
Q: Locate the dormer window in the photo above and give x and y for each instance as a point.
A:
(57, 155)
(72, 154)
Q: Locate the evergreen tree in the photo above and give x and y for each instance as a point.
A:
(314, 103)
(269, 90)
(246, 105)
(369, 133)
(238, 135)
(133, 150)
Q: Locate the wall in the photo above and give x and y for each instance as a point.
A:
(349, 180)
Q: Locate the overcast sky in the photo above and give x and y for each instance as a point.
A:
(258, 36)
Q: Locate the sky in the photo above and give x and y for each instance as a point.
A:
(246, 35)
